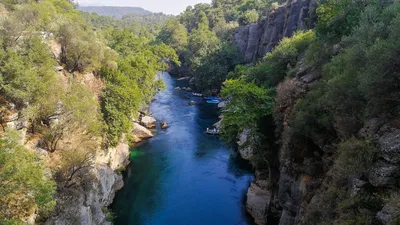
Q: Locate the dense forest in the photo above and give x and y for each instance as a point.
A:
(114, 11)
(201, 35)
(142, 24)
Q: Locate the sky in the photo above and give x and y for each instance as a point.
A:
(166, 6)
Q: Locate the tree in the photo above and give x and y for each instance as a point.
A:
(80, 49)
(138, 66)
(250, 16)
(77, 157)
(212, 71)
(23, 185)
(202, 43)
(249, 103)
(174, 34)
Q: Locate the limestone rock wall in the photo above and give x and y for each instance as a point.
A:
(255, 40)
(85, 204)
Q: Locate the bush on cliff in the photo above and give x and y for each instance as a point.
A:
(249, 103)
(134, 82)
(24, 185)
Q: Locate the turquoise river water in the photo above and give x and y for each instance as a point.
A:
(182, 176)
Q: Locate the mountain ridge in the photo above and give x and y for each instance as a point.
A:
(115, 11)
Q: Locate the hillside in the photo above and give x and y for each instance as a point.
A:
(114, 11)
(69, 100)
(311, 93)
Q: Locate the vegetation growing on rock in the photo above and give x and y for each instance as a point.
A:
(71, 91)
(335, 104)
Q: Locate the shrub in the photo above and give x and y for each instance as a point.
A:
(355, 156)
(249, 104)
(23, 185)
(281, 60)
(250, 16)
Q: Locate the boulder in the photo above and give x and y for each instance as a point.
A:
(178, 88)
(222, 104)
(189, 89)
(389, 212)
(218, 125)
(192, 81)
(83, 204)
(192, 103)
(18, 124)
(258, 201)
(58, 68)
(384, 173)
(163, 124)
(140, 133)
(148, 122)
(389, 146)
(119, 156)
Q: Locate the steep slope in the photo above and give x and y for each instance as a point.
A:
(336, 120)
(69, 102)
(255, 40)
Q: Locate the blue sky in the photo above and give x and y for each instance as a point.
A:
(166, 6)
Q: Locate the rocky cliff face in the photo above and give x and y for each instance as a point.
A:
(255, 40)
(305, 171)
(86, 204)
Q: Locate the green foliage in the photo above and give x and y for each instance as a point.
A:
(248, 104)
(379, 79)
(276, 64)
(115, 11)
(211, 70)
(174, 34)
(22, 172)
(357, 83)
(134, 82)
(81, 49)
(355, 156)
(27, 77)
(143, 25)
(121, 99)
(206, 54)
(338, 18)
(110, 217)
(250, 16)
(337, 204)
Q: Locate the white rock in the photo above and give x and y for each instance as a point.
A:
(258, 201)
(119, 156)
(140, 133)
(222, 104)
(164, 125)
(218, 124)
(245, 149)
(148, 122)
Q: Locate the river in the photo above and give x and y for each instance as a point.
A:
(183, 176)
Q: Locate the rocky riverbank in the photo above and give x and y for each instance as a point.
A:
(87, 201)
(301, 184)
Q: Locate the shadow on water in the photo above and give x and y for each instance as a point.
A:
(182, 176)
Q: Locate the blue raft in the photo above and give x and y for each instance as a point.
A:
(213, 101)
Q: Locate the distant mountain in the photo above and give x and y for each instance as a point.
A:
(115, 11)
